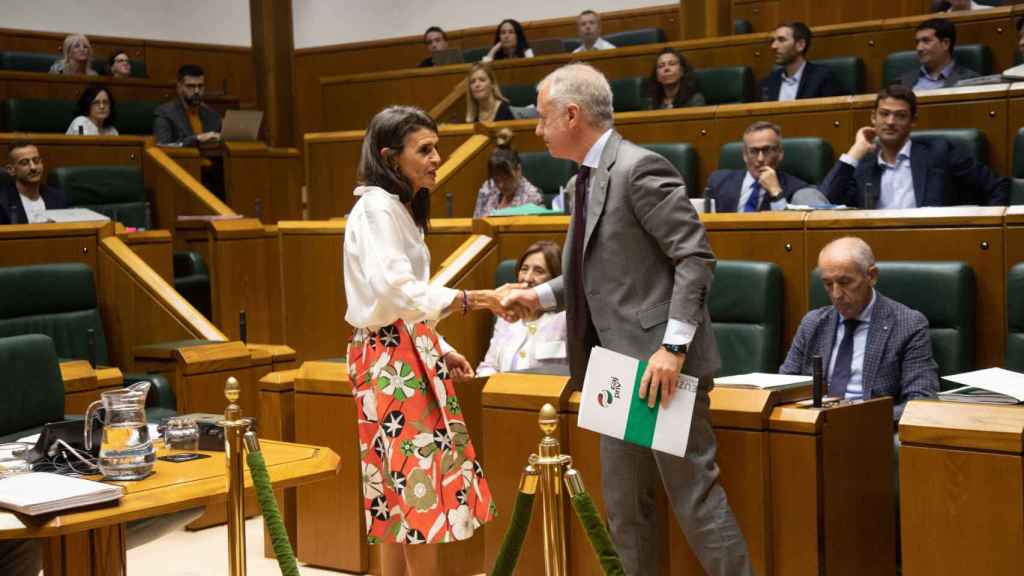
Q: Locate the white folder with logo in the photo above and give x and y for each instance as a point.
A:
(610, 404)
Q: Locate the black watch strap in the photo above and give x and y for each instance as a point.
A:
(675, 348)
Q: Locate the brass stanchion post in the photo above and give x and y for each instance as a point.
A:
(234, 454)
(551, 462)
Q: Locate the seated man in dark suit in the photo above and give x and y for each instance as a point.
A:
(186, 121)
(934, 41)
(24, 200)
(761, 186)
(436, 40)
(886, 169)
(796, 78)
(870, 345)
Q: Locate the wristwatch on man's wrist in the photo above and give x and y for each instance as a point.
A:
(675, 348)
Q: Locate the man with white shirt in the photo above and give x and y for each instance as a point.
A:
(588, 26)
(636, 271)
(24, 200)
(886, 169)
(934, 41)
(870, 345)
(794, 78)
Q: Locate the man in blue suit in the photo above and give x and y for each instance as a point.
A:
(886, 169)
(871, 345)
(795, 78)
(761, 186)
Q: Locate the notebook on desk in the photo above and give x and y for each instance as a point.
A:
(42, 493)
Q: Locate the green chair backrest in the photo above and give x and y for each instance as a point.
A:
(58, 300)
(1016, 191)
(970, 140)
(192, 280)
(506, 273)
(471, 55)
(520, 94)
(943, 291)
(28, 61)
(726, 85)
(809, 159)
(684, 158)
(571, 44)
(31, 390)
(977, 57)
(545, 172)
(38, 115)
(741, 26)
(636, 37)
(1014, 359)
(746, 311)
(117, 191)
(135, 117)
(1018, 154)
(849, 71)
(628, 94)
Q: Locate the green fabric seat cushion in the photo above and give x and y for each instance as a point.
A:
(31, 389)
(1016, 191)
(745, 303)
(943, 291)
(135, 118)
(1018, 154)
(628, 94)
(636, 37)
(28, 61)
(38, 115)
(521, 95)
(970, 140)
(849, 71)
(1015, 319)
(726, 85)
(192, 280)
(58, 300)
(471, 55)
(545, 172)
(809, 159)
(506, 273)
(684, 158)
(117, 191)
(977, 57)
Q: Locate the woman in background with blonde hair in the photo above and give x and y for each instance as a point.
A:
(484, 102)
(505, 186)
(77, 52)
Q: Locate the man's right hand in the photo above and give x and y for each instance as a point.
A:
(208, 137)
(864, 143)
(520, 303)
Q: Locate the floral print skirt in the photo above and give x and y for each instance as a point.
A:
(422, 482)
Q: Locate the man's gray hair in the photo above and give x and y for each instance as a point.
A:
(585, 86)
(763, 125)
(855, 248)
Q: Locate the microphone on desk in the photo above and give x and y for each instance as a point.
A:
(243, 327)
(90, 336)
(869, 196)
(709, 200)
(818, 380)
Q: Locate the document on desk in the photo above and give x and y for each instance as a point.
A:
(763, 381)
(610, 404)
(988, 386)
(42, 492)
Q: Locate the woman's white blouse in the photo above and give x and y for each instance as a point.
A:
(88, 128)
(387, 265)
(521, 345)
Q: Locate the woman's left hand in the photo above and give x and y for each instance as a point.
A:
(458, 366)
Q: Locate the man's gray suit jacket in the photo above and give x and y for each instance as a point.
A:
(171, 125)
(898, 358)
(909, 79)
(646, 259)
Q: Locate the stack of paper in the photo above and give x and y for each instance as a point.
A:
(988, 386)
(763, 381)
(43, 492)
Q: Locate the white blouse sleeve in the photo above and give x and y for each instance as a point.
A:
(73, 128)
(390, 274)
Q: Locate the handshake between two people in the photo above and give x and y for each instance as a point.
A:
(510, 302)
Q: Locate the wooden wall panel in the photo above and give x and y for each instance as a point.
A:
(263, 183)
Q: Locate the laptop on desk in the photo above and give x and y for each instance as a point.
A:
(241, 126)
(447, 56)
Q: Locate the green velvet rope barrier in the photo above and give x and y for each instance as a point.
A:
(598, 534)
(271, 515)
(505, 564)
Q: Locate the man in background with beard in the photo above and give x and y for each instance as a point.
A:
(187, 121)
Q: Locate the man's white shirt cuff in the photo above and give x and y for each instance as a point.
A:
(679, 333)
(546, 296)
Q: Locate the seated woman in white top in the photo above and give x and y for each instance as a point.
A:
(536, 341)
(509, 42)
(95, 113)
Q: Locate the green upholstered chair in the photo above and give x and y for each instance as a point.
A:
(571, 44)
(38, 115)
(848, 70)
(1016, 191)
(59, 300)
(741, 26)
(116, 191)
(809, 159)
(977, 57)
(684, 158)
(31, 390)
(970, 140)
(506, 273)
(1018, 154)
(192, 280)
(726, 85)
(28, 61)
(628, 94)
(134, 117)
(472, 55)
(521, 95)
(546, 173)
(943, 291)
(1014, 359)
(636, 37)
(746, 310)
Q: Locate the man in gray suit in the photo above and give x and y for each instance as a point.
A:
(934, 41)
(870, 345)
(186, 120)
(637, 267)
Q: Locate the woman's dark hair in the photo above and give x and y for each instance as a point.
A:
(552, 256)
(85, 103)
(505, 160)
(388, 129)
(687, 83)
(521, 44)
(110, 61)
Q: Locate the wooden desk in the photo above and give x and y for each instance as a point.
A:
(96, 537)
(83, 384)
(961, 488)
(263, 182)
(154, 248)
